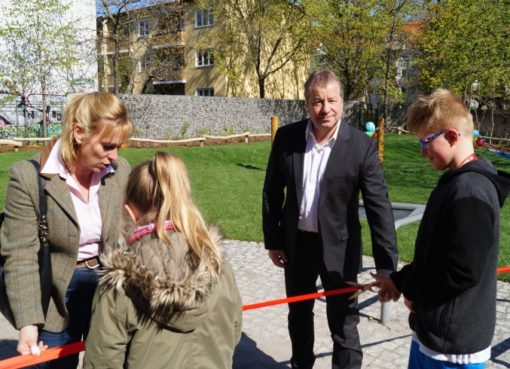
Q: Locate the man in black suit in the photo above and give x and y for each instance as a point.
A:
(316, 170)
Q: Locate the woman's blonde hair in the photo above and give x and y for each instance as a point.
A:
(160, 190)
(90, 111)
(440, 110)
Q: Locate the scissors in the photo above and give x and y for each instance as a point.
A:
(361, 288)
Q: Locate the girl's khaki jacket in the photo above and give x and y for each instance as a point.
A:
(160, 306)
(20, 243)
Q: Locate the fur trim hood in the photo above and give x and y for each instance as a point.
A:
(169, 284)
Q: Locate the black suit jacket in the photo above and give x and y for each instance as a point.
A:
(352, 168)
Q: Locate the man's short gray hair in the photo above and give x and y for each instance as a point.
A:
(322, 78)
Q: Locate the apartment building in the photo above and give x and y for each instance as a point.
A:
(167, 48)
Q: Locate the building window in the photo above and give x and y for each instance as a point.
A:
(179, 61)
(125, 30)
(180, 24)
(203, 18)
(144, 63)
(143, 28)
(209, 91)
(205, 58)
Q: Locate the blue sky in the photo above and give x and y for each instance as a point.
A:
(130, 4)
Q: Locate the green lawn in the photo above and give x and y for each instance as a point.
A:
(227, 183)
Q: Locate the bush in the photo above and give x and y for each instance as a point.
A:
(30, 131)
(7, 132)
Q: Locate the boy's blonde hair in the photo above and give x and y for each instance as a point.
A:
(160, 190)
(89, 110)
(440, 110)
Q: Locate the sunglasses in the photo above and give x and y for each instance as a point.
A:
(425, 142)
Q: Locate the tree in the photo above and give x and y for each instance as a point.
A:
(258, 37)
(133, 26)
(361, 40)
(471, 57)
(40, 40)
(394, 17)
(349, 41)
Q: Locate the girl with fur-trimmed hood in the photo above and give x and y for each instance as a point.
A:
(166, 298)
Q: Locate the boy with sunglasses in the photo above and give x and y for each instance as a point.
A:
(450, 287)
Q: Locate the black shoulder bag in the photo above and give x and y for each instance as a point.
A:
(45, 272)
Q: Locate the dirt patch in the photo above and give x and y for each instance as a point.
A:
(139, 144)
(10, 148)
(206, 142)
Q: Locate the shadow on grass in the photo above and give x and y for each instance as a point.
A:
(248, 166)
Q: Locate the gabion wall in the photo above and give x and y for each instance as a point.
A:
(174, 117)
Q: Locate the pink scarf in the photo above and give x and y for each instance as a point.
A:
(146, 229)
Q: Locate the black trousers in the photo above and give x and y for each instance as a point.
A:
(343, 314)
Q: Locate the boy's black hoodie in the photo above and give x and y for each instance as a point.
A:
(452, 279)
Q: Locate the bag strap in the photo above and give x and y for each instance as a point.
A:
(44, 255)
(43, 204)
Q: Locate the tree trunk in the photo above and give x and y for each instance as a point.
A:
(262, 87)
(493, 108)
(137, 82)
(45, 118)
(115, 62)
(386, 83)
(385, 99)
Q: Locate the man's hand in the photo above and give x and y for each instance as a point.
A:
(278, 257)
(387, 289)
(27, 342)
(409, 304)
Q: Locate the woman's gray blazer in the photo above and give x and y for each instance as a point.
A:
(20, 243)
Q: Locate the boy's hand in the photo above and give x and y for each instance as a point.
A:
(387, 289)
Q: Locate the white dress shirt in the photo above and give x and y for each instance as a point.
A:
(315, 160)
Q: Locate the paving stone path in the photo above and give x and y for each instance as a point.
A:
(265, 343)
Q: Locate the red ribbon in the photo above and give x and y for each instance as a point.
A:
(300, 298)
(53, 353)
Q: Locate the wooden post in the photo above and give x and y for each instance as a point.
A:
(274, 127)
(380, 141)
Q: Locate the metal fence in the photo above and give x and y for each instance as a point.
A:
(22, 115)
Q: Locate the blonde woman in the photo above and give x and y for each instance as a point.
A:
(167, 298)
(85, 179)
